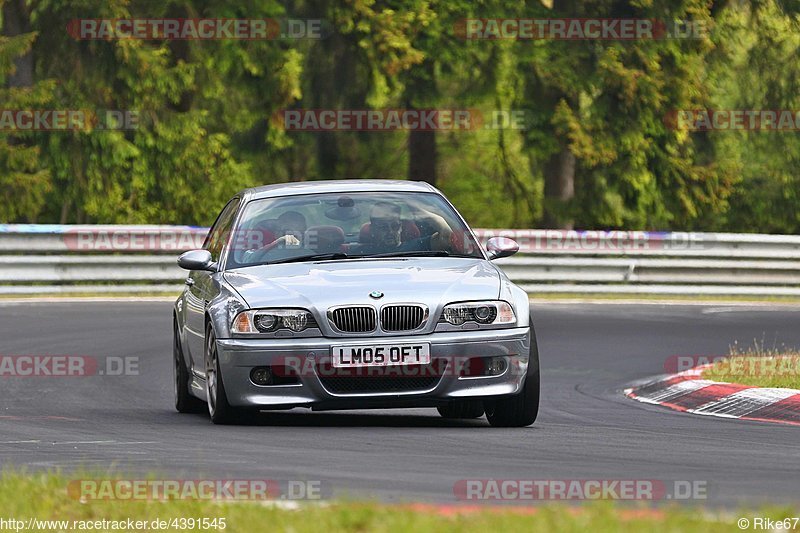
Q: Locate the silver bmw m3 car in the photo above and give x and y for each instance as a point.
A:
(352, 295)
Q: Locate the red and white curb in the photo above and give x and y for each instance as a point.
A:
(687, 392)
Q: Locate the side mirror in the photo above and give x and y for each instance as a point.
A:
(197, 260)
(498, 247)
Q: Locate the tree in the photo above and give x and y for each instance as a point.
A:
(24, 180)
(752, 39)
(604, 103)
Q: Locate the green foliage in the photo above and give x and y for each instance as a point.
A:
(24, 180)
(759, 71)
(205, 112)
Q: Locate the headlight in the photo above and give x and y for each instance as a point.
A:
(485, 313)
(270, 320)
(265, 322)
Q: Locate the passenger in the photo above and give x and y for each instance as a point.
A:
(291, 225)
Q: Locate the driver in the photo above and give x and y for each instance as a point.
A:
(385, 225)
(386, 228)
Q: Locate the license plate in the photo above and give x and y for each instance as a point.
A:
(381, 355)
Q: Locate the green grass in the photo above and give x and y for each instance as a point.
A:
(44, 497)
(758, 366)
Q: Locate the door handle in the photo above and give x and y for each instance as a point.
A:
(189, 282)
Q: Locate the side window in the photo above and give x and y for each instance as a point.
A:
(221, 230)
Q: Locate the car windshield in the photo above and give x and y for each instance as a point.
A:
(336, 226)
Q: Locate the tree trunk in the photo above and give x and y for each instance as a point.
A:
(422, 156)
(181, 52)
(422, 153)
(16, 21)
(559, 189)
(331, 81)
(558, 168)
(559, 171)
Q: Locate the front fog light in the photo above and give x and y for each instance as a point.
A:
(261, 375)
(495, 366)
(477, 367)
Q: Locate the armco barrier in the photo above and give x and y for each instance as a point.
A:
(44, 259)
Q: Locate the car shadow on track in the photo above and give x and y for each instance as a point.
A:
(301, 418)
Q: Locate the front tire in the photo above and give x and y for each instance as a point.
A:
(521, 409)
(219, 409)
(184, 402)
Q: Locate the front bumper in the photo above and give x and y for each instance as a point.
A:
(237, 358)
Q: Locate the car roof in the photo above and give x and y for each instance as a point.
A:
(336, 186)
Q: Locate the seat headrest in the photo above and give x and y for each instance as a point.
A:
(324, 239)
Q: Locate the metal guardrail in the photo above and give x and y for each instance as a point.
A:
(46, 259)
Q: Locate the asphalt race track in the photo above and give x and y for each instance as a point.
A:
(586, 428)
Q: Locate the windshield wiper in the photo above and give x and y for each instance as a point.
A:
(418, 253)
(341, 255)
(312, 257)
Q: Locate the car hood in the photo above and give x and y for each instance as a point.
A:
(320, 285)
